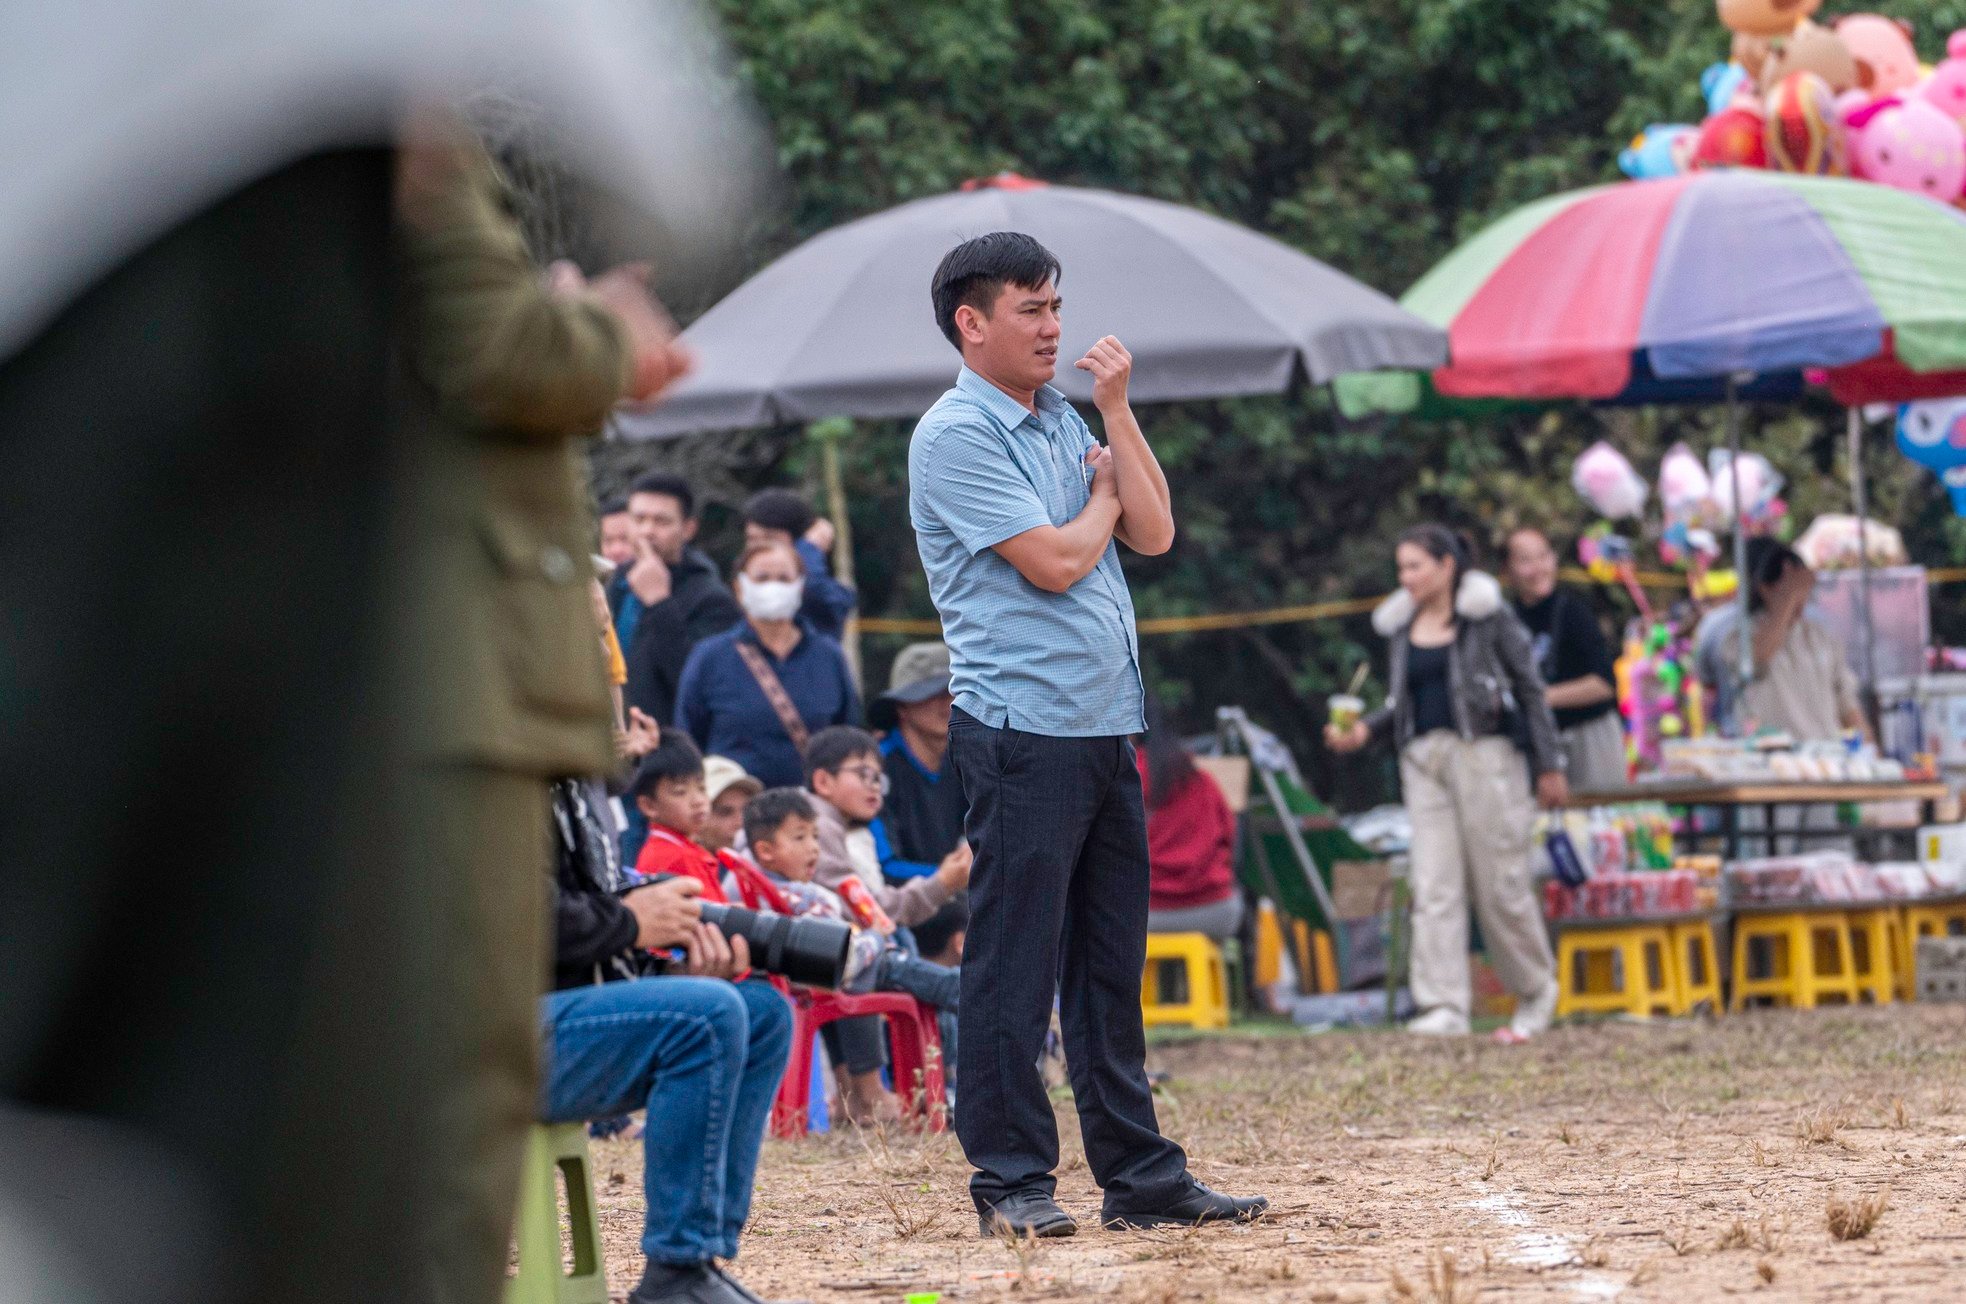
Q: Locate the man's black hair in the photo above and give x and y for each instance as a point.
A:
(834, 746)
(975, 272)
(613, 507)
(779, 509)
(767, 812)
(670, 485)
(676, 758)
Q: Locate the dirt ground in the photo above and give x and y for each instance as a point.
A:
(1677, 1161)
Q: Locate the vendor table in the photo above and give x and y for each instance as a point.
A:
(1728, 799)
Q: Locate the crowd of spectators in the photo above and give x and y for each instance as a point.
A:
(744, 777)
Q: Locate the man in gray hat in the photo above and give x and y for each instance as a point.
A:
(924, 809)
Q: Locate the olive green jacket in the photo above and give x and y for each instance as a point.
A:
(504, 382)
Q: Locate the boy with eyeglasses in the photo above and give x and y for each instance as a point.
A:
(846, 782)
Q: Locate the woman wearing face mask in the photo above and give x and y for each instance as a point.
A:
(758, 692)
(1462, 681)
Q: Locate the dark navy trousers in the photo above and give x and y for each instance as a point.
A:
(1058, 904)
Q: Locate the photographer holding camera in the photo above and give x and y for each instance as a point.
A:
(626, 1030)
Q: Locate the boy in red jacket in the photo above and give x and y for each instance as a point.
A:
(668, 790)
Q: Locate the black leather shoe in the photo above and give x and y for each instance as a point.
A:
(1025, 1213)
(1197, 1205)
(700, 1283)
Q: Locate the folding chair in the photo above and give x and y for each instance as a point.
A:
(1290, 840)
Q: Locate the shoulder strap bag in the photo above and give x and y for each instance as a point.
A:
(774, 691)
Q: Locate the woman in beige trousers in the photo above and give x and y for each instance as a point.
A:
(1463, 687)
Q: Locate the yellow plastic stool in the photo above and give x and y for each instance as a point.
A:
(1323, 976)
(1809, 958)
(1205, 977)
(1316, 943)
(1623, 970)
(1924, 919)
(1874, 952)
(1696, 966)
(561, 1148)
(1269, 946)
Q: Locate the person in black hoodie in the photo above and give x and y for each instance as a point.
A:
(627, 1030)
(669, 598)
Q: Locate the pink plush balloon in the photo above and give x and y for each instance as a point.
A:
(1684, 485)
(1945, 89)
(1887, 62)
(1910, 145)
(1604, 478)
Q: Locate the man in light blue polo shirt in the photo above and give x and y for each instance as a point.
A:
(1016, 508)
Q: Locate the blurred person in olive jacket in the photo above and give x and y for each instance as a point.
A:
(222, 1009)
(509, 370)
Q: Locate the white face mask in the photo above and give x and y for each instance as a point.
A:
(770, 599)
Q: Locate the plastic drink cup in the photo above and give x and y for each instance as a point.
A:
(1346, 710)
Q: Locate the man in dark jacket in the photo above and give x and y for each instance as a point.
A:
(669, 598)
(625, 1031)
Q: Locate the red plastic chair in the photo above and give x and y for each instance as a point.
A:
(916, 1059)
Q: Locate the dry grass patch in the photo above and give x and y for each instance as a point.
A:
(1445, 1283)
(1852, 1220)
(1820, 1127)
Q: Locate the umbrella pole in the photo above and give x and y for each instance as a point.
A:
(829, 434)
(1744, 663)
(1860, 501)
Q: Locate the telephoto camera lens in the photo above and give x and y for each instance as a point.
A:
(811, 952)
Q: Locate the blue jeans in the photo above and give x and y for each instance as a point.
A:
(704, 1057)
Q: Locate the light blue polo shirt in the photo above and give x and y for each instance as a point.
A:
(981, 469)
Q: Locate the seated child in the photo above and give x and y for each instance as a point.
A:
(783, 831)
(846, 781)
(728, 788)
(668, 790)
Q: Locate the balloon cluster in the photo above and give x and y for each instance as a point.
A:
(1696, 501)
(1847, 99)
(1662, 697)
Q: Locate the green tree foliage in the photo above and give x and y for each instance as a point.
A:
(1373, 134)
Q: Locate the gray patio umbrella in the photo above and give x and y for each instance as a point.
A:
(841, 325)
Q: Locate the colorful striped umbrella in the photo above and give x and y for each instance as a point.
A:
(1709, 286)
(1668, 290)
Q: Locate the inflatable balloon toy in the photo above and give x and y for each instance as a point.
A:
(1933, 434)
(1604, 478)
(1685, 488)
(1764, 17)
(1886, 60)
(1750, 54)
(1909, 145)
(1736, 137)
(1686, 501)
(1945, 89)
(1663, 696)
(1610, 559)
(1761, 487)
(1683, 546)
(1722, 83)
(1811, 48)
(1661, 150)
(1804, 133)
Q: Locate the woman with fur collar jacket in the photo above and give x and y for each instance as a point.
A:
(1464, 689)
